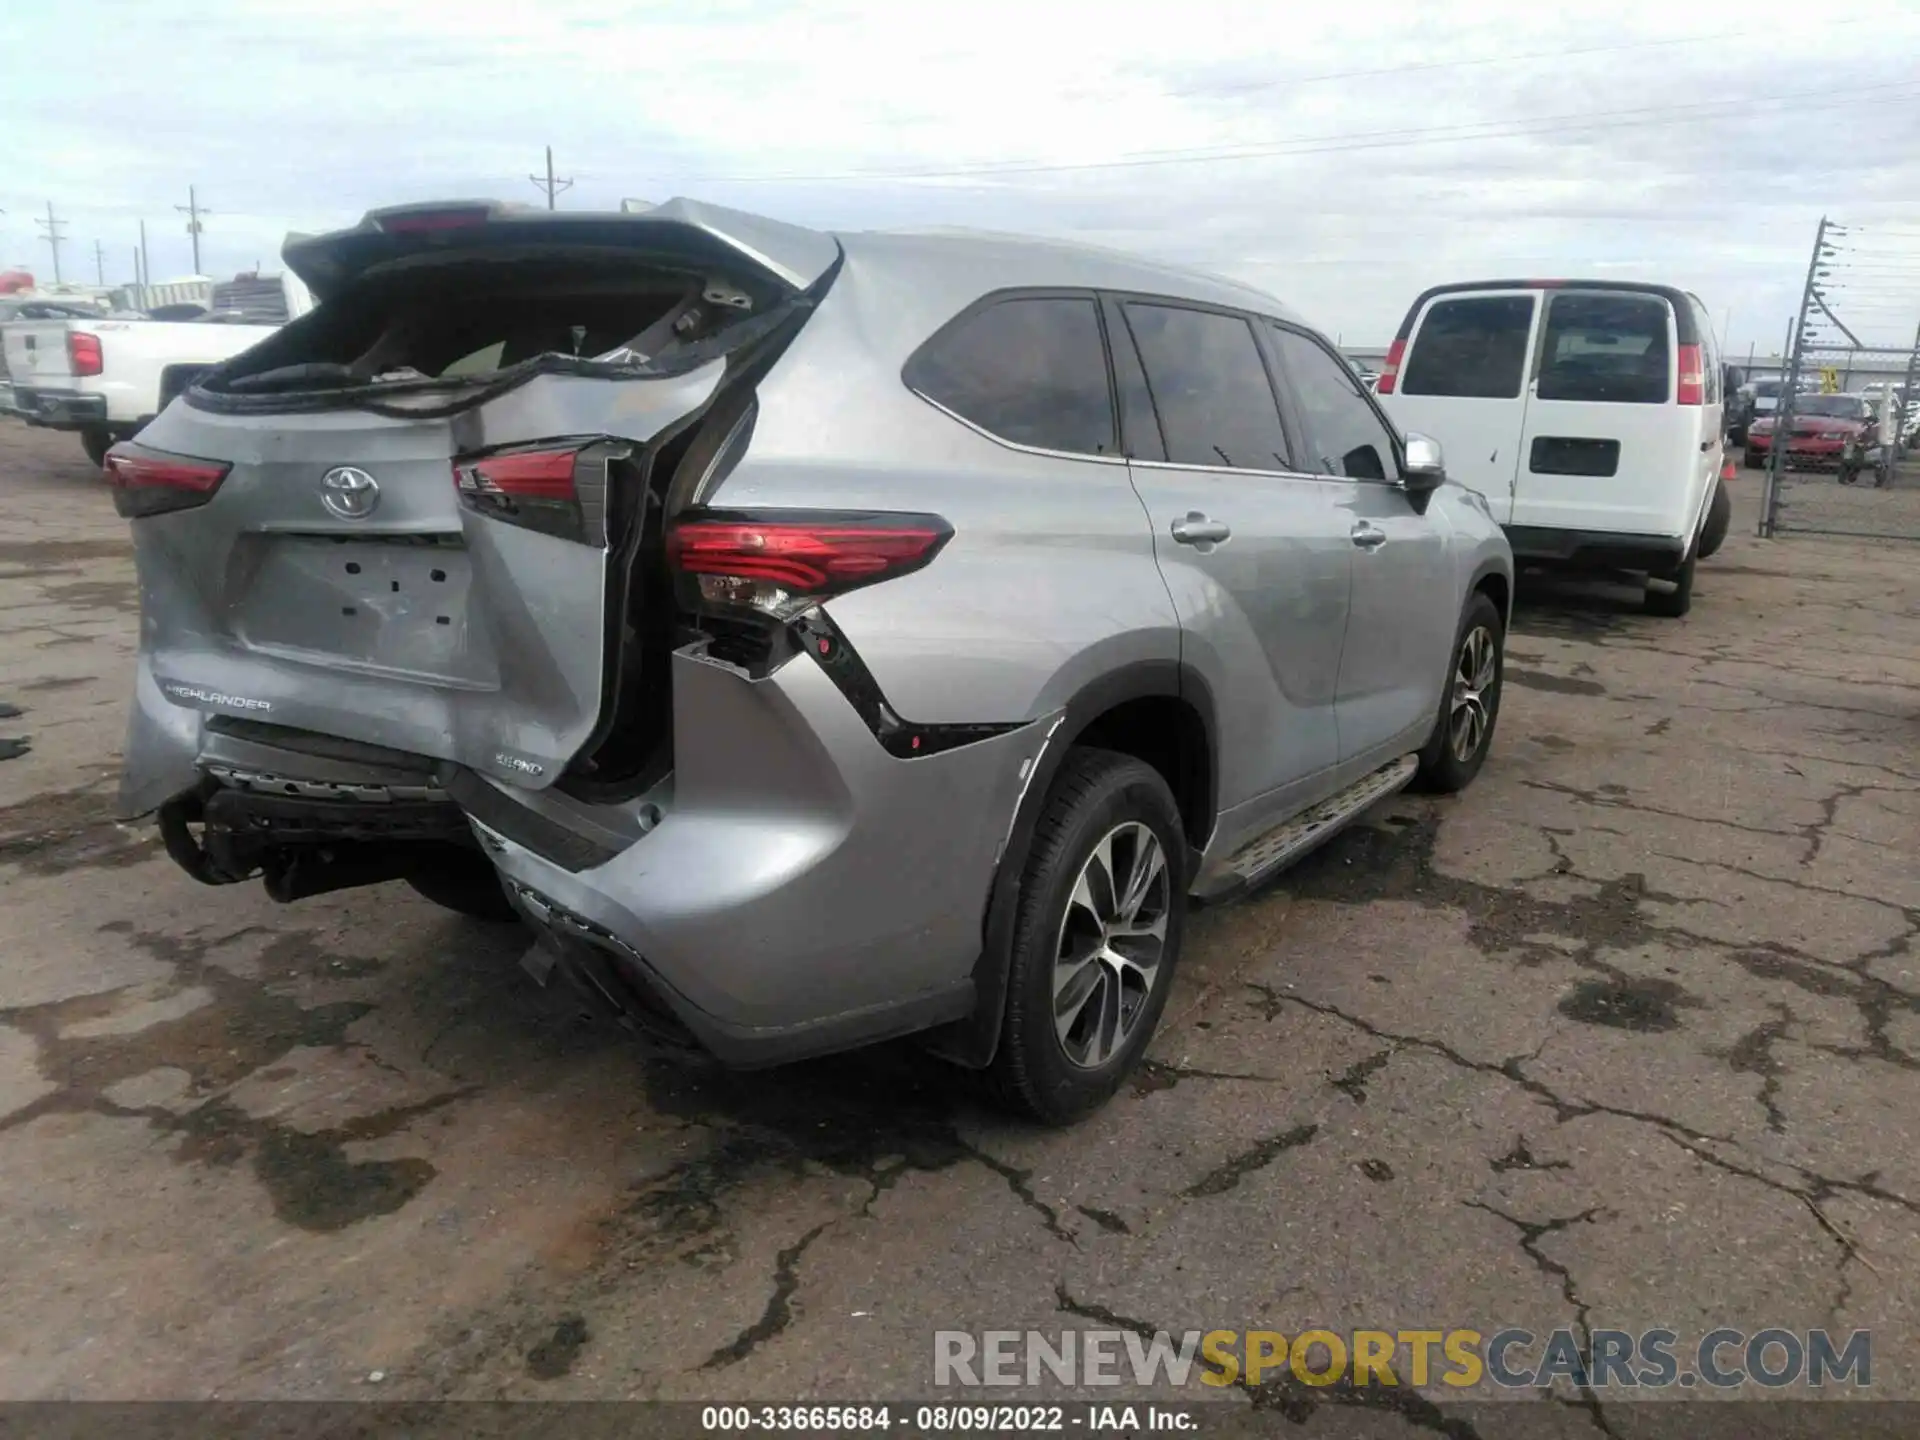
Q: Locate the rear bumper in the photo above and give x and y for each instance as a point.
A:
(60, 409)
(1594, 549)
(804, 891)
(796, 890)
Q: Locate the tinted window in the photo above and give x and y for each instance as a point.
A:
(1610, 348)
(1344, 435)
(1471, 348)
(1030, 369)
(1210, 388)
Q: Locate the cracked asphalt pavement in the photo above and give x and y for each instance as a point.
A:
(1628, 1035)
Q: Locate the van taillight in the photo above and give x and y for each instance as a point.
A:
(1390, 372)
(1693, 376)
(83, 353)
(781, 563)
(152, 482)
(531, 488)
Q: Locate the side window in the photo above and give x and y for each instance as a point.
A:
(1607, 348)
(1344, 435)
(1030, 369)
(1471, 347)
(1210, 387)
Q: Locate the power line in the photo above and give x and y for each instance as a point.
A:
(1361, 140)
(1430, 65)
(53, 237)
(552, 186)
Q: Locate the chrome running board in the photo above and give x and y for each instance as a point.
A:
(1291, 839)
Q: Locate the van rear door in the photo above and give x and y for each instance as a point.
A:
(1461, 380)
(1606, 449)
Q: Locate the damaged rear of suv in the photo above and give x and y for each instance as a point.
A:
(809, 637)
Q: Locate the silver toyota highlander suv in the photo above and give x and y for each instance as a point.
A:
(813, 638)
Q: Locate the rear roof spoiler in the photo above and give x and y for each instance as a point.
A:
(790, 255)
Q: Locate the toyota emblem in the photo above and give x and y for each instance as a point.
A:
(349, 493)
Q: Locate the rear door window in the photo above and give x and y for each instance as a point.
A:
(1029, 369)
(1471, 347)
(1606, 348)
(1344, 436)
(1210, 387)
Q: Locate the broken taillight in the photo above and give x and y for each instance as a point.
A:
(779, 564)
(152, 482)
(531, 488)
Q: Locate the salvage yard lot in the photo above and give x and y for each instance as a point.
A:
(1628, 1034)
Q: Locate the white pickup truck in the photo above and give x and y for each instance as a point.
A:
(107, 377)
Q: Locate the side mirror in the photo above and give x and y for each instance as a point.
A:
(1425, 468)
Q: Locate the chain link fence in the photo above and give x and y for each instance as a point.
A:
(1826, 471)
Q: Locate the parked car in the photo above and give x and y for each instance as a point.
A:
(1835, 432)
(825, 638)
(1756, 399)
(15, 308)
(1587, 412)
(104, 377)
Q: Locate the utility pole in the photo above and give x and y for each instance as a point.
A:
(54, 238)
(1783, 412)
(146, 268)
(99, 264)
(193, 212)
(552, 186)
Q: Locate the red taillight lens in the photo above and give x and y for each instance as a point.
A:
(1390, 372)
(83, 353)
(429, 222)
(530, 488)
(1693, 376)
(151, 482)
(780, 566)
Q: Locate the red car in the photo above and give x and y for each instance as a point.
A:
(1829, 432)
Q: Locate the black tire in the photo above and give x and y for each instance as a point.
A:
(1674, 603)
(466, 883)
(96, 442)
(1097, 795)
(1751, 461)
(1719, 516)
(1444, 769)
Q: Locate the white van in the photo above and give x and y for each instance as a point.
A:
(1588, 413)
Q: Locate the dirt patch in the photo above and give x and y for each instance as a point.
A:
(554, 1356)
(71, 829)
(245, 1028)
(1647, 1006)
(43, 555)
(115, 595)
(1556, 684)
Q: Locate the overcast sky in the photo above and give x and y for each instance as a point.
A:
(1342, 161)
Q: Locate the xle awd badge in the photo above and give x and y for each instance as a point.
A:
(349, 492)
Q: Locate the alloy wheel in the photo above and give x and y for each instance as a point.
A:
(1112, 940)
(1475, 675)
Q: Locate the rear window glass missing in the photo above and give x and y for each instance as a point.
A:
(1606, 348)
(1475, 347)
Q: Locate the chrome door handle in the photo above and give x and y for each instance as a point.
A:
(1368, 537)
(1198, 529)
